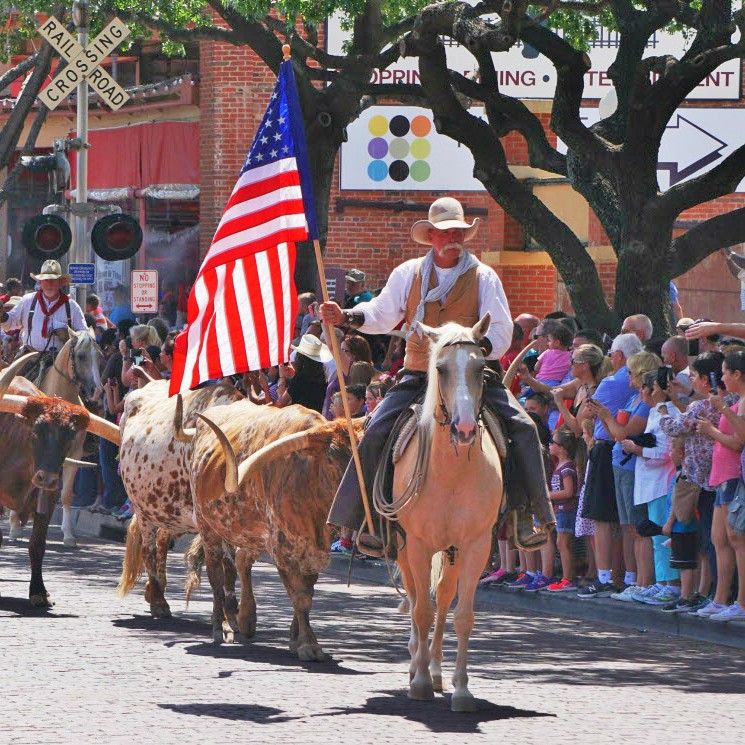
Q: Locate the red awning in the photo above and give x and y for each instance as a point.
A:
(142, 155)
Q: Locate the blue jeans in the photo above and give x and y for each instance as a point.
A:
(114, 494)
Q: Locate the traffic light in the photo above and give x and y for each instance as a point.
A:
(116, 237)
(47, 237)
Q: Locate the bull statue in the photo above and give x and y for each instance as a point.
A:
(36, 435)
(267, 486)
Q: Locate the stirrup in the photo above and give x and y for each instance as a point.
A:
(529, 539)
(370, 545)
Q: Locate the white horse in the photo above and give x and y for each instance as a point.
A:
(74, 376)
(447, 493)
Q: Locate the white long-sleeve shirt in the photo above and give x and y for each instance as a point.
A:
(18, 319)
(654, 470)
(384, 312)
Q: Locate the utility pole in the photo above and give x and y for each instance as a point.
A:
(81, 251)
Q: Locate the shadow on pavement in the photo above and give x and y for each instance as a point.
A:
(22, 607)
(435, 715)
(233, 712)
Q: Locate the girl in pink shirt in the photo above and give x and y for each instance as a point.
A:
(728, 438)
(554, 363)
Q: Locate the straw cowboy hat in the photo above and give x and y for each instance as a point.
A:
(311, 346)
(11, 302)
(51, 269)
(445, 213)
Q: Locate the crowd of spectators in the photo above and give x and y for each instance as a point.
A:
(644, 437)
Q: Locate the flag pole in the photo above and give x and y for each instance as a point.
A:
(337, 360)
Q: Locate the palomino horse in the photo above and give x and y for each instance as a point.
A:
(447, 493)
(73, 375)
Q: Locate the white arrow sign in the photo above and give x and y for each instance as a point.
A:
(83, 64)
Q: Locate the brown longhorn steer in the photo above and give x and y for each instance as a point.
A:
(268, 488)
(36, 434)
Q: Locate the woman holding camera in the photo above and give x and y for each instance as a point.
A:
(134, 353)
(726, 472)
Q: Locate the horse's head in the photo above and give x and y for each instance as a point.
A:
(456, 379)
(85, 356)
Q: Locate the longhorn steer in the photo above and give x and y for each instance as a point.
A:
(36, 434)
(153, 464)
(273, 496)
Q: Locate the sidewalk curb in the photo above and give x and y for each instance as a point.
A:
(566, 605)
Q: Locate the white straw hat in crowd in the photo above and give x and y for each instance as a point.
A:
(311, 346)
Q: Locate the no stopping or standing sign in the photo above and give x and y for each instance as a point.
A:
(144, 291)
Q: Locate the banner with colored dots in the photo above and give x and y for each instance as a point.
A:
(397, 148)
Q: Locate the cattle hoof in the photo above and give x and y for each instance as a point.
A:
(463, 703)
(41, 600)
(247, 628)
(311, 653)
(437, 683)
(160, 611)
(70, 543)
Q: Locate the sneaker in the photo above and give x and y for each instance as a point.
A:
(710, 609)
(681, 605)
(565, 585)
(664, 597)
(490, 577)
(539, 583)
(339, 548)
(699, 601)
(625, 596)
(734, 612)
(507, 578)
(597, 589)
(523, 580)
(642, 593)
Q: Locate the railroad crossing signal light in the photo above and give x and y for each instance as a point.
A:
(116, 237)
(47, 237)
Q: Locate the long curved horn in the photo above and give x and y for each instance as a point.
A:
(80, 463)
(12, 404)
(10, 372)
(512, 369)
(231, 462)
(181, 433)
(277, 449)
(105, 429)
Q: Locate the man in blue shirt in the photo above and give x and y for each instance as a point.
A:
(600, 494)
(122, 309)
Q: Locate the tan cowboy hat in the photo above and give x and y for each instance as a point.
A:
(445, 213)
(311, 346)
(51, 269)
(11, 302)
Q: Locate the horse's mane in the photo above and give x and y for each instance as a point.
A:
(447, 334)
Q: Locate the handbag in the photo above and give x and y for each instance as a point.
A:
(736, 513)
(685, 499)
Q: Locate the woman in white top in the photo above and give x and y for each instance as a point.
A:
(653, 475)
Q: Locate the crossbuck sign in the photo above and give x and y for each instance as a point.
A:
(83, 63)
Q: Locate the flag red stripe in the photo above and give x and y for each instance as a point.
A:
(275, 273)
(291, 235)
(253, 219)
(210, 281)
(233, 319)
(265, 186)
(257, 310)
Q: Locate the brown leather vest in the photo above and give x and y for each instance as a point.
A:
(461, 306)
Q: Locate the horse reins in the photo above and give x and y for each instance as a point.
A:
(447, 419)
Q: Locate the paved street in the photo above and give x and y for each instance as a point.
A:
(98, 669)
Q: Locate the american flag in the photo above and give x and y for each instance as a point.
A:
(242, 307)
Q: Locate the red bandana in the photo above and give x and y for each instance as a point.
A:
(50, 311)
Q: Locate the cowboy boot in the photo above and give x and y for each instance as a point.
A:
(523, 532)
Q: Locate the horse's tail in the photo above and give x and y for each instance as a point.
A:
(438, 563)
(133, 560)
(194, 560)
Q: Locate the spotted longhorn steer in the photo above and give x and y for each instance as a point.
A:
(153, 464)
(36, 434)
(276, 500)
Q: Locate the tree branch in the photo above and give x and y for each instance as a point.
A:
(704, 239)
(718, 182)
(20, 69)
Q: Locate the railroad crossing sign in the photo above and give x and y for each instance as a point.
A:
(83, 63)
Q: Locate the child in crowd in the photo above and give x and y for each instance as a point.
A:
(683, 539)
(554, 364)
(584, 528)
(563, 494)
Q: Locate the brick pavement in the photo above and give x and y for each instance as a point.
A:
(98, 669)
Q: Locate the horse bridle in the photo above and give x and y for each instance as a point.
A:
(75, 380)
(447, 419)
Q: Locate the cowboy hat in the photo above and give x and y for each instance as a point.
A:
(311, 346)
(51, 269)
(355, 275)
(11, 302)
(445, 213)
